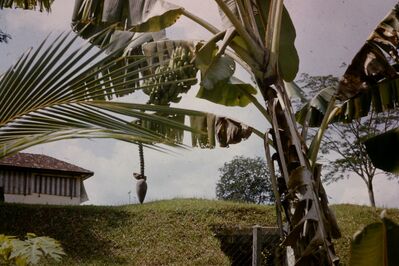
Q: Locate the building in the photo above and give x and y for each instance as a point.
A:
(40, 179)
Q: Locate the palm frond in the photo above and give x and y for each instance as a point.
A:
(62, 90)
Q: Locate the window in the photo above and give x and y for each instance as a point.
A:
(55, 185)
(14, 182)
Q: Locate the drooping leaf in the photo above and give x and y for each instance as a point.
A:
(383, 150)
(229, 93)
(381, 97)
(377, 244)
(373, 62)
(369, 66)
(229, 131)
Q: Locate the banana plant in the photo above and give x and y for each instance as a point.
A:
(259, 36)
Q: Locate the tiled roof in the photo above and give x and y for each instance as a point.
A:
(38, 161)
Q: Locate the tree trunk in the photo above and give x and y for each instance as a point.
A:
(301, 192)
(371, 193)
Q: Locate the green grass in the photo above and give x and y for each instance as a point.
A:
(170, 232)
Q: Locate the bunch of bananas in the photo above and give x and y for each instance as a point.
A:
(170, 80)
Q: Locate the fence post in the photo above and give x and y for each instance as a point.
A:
(256, 245)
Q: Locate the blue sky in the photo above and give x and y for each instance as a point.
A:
(329, 33)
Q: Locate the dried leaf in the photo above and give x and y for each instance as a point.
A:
(373, 62)
(229, 131)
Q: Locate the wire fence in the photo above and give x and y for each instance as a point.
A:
(249, 246)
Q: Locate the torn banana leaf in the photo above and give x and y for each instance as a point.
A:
(377, 59)
(226, 130)
(382, 97)
(229, 131)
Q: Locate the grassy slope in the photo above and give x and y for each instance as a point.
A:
(177, 232)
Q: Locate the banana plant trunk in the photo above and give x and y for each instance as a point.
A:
(310, 225)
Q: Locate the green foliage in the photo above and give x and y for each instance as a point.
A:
(218, 85)
(245, 179)
(288, 58)
(31, 251)
(376, 244)
(232, 92)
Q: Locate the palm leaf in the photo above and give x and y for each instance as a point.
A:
(59, 91)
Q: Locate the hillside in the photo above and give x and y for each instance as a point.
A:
(178, 232)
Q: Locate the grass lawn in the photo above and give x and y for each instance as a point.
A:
(169, 232)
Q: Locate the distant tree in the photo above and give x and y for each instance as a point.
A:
(245, 179)
(346, 153)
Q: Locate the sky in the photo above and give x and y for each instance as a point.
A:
(329, 33)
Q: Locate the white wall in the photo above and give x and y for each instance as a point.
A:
(34, 198)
